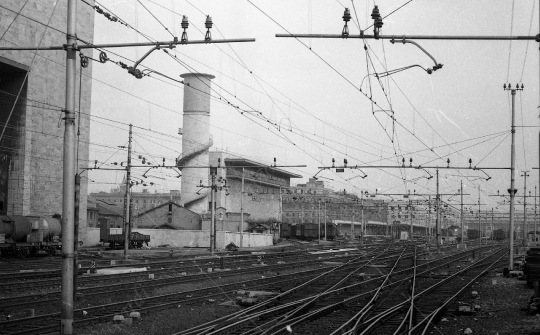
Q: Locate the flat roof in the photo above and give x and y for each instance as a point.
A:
(249, 163)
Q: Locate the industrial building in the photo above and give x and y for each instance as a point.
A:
(32, 94)
(312, 202)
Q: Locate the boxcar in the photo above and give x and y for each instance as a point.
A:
(499, 235)
(473, 234)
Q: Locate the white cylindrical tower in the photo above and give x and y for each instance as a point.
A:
(196, 140)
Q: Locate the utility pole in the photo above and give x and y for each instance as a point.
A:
(462, 227)
(280, 210)
(352, 225)
(438, 217)
(127, 196)
(241, 228)
(479, 220)
(535, 218)
(319, 217)
(69, 166)
(213, 189)
(428, 228)
(525, 225)
(325, 232)
(362, 225)
(410, 220)
(492, 219)
(76, 234)
(512, 190)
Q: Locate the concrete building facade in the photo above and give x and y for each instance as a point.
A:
(168, 215)
(142, 201)
(32, 94)
(313, 202)
(263, 186)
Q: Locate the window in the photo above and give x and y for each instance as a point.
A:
(170, 207)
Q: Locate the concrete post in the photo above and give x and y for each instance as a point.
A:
(196, 139)
(69, 166)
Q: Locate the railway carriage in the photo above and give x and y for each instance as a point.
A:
(29, 235)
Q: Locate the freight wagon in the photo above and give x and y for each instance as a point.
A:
(136, 240)
(29, 235)
(499, 235)
(307, 231)
(473, 234)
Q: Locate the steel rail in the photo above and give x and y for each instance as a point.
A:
(358, 316)
(409, 316)
(156, 302)
(120, 305)
(145, 284)
(96, 313)
(377, 319)
(209, 327)
(177, 266)
(429, 319)
(250, 318)
(280, 322)
(52, 273)
(373, 293)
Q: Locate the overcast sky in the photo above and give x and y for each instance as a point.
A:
(307, 90)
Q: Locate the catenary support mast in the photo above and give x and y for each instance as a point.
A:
(68, 188)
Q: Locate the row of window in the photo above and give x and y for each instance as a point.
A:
(136, 201)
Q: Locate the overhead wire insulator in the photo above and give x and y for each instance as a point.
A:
(103, 57)
(84, 60)
(208, 25)
(185, 25)
(346, 17)
(378, 22)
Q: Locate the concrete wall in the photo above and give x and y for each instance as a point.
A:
(261, 201)
(179, 217)
(35, 185)
(187, 238)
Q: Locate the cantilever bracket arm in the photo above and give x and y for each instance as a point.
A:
(437, 65)
(365, 174)
(426, 171)
(133, 69)
(488, 176)
(321, 170)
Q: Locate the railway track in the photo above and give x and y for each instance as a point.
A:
(33, 300)
(18, 270)
(159, 269)
(49, 322)
(326, 310)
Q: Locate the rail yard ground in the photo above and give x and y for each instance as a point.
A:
(502, 313)
(173, 303)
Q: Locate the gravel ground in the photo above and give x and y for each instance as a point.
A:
(501, 301)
